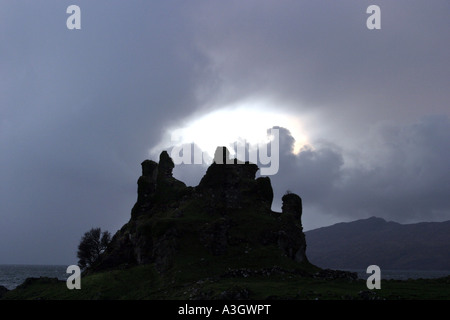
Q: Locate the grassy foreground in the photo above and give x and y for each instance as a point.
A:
(143, 282)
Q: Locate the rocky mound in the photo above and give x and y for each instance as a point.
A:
(225, 223)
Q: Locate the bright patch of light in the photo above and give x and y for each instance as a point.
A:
(245, 122)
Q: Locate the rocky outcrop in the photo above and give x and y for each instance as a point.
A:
(156, 184)
(146, 186)
(226, 215)
(214, 236)
(292, 204)
(293, 243)
(231, 184)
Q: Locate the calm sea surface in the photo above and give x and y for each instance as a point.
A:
(12, 275)
(404, 274)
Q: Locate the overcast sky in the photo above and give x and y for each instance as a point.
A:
(80, 109)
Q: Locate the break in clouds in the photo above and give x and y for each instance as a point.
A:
(403, 179)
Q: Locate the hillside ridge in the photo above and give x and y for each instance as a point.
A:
(388, 244)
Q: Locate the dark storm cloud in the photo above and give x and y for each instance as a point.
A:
(318, 56)
(408, 184)
(79, 110)
(411, 183)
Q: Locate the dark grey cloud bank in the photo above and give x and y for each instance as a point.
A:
(410, 184)
(79, 110)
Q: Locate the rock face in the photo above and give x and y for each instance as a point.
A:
(292, 204)
(146, 185)
(232, 184)
(225, 221)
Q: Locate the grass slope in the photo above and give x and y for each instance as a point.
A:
(143, 282)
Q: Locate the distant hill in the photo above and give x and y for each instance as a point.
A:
(390, 245)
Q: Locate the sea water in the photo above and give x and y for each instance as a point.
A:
(403, 274)
(12, 275)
